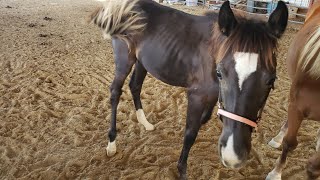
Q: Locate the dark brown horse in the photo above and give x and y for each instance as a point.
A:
(303, 64)
(182, 50)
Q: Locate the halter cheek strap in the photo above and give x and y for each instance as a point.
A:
(237, 118)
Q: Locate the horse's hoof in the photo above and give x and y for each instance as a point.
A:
(274, 144)
(273, 176)
(111, 149)
(149, 127)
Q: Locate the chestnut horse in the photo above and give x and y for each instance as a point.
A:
(303, 65)
(182, 50)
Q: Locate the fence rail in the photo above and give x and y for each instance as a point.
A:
(260, 7)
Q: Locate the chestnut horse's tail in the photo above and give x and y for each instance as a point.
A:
(309, 60)
(119, 18)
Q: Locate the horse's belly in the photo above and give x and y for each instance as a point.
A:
(169, 72)
(309, 100)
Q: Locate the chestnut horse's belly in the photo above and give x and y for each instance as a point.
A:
(309, 100)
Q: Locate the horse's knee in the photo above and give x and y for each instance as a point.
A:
(115, 95)
(190, 135)
(289, 144)
(313, 166)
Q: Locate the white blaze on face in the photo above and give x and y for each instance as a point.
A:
(246, 64)
(228, 154)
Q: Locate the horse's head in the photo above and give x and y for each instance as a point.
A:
(246, 69)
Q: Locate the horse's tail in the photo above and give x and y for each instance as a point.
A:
(309, 59)
(119, 18)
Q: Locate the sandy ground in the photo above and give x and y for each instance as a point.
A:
(54, 107)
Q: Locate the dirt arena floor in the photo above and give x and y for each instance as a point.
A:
(55, 72)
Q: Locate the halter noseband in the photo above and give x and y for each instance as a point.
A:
(237, 118)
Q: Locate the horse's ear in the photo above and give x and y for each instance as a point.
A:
(227, 21)
(278, 20)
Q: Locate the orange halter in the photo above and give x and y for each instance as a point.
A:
(237, 118)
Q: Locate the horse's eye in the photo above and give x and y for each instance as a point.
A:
(219, 74)
(270, 83)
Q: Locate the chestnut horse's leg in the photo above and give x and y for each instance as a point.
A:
(135, 85)
(196, 106)
(277, 140)
(124, 63)
(313, 166)
(290, 142)
(318, 141)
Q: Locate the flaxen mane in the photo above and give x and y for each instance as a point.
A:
(309, 59)
(247, 36)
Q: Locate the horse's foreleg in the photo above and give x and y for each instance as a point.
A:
(123, 67)
(212, 101)
(195, 109)
(313, 166)
(290, 142)
(277, 140)
(206, 115)
(135, 85)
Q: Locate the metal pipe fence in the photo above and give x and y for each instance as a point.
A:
(260, 7)
(265, 7)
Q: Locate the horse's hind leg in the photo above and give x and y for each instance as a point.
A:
(135, 85)
(290, 142)
(277, 140)
(124, 63)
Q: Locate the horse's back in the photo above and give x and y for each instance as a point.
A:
(174, 44)
(176, 21)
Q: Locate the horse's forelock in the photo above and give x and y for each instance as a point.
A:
(248, 36)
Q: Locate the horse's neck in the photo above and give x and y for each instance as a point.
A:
(314, 10)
